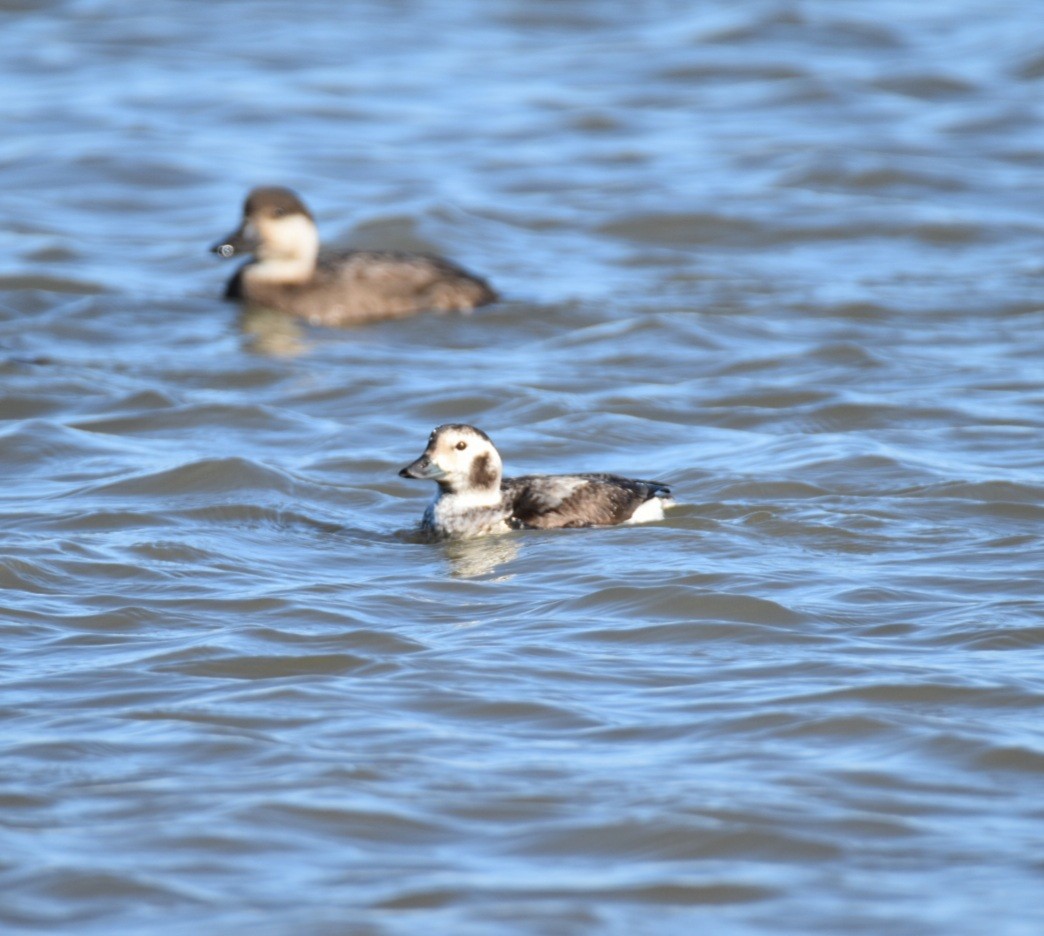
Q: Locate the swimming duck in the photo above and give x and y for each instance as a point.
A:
(288, 272)
(474, 499)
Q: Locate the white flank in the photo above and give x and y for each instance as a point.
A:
(651, 510)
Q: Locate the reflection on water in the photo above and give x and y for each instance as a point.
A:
(785, 255)
(484, 556)
(270, 332)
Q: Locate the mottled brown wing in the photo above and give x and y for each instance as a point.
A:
(405, 274)
(578, 500)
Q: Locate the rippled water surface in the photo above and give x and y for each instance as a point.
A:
(786, 255)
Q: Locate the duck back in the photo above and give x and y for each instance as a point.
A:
(363, 285)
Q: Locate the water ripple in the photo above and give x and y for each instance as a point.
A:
(783, 257)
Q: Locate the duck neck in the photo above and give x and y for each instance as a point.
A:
(470, 496)
(284, 271)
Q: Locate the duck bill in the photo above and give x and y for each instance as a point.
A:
(424, 469)
(243, 240)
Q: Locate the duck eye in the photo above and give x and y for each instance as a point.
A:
(461, 445)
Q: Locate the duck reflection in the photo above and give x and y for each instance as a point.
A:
(272, 333)
(470, 558)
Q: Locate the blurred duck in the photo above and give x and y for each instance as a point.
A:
(288, 272)
(473, 498)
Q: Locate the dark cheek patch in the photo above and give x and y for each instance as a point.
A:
(483, 474)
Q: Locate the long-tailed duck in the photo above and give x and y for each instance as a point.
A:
(288, 272)
(474, 499)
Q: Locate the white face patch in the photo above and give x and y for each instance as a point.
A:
(470, 464)
(288, 251)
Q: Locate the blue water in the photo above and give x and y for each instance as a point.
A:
(786, 256)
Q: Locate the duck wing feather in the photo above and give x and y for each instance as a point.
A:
(402, 274)
(551, 501)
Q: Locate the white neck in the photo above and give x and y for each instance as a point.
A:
(289, 270)
(473, 497)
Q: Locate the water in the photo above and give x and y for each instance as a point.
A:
(784, 255)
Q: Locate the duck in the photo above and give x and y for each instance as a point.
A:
(474, 499)
(288, 272)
